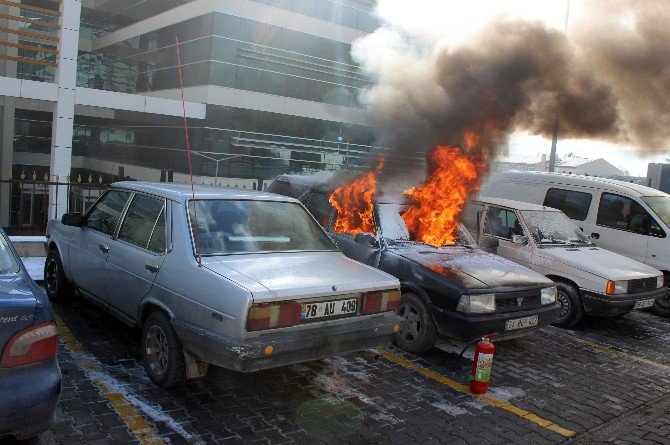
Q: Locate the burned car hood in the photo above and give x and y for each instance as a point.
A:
(473, 268)
(282, 276)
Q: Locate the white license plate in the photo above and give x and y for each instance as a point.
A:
(328, 309)
(641, 304)
(520, 323)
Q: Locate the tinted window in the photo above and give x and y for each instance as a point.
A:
(619, 212)
(502, 223)
(574, 204)
(106, 212)
(319, 206)
(141, 223)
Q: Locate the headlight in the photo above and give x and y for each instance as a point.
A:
(616, 287)
(548, 295)
(660, 281)
(477, 304)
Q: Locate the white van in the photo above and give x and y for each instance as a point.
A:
(626, 218)
(588, 278)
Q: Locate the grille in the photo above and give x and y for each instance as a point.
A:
(518, 301)
(641, 285)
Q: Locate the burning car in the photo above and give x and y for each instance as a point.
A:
(452, 288)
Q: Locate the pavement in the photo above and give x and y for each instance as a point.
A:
(605, 381)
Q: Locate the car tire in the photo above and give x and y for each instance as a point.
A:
(662, 305)
(162, 352)
(418, 332)
(572, 308)
(56, 284)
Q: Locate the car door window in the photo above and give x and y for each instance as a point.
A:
(574, 204)
(469, 215)
(142, 223)
(319, 206)
(502, 223)
(106, 213)
(620, 212)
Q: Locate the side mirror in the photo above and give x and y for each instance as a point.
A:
(74, 219)
(366, 239)
(489, 242)
(520, 239)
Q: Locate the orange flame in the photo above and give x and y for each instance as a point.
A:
(433, 217)
(354, 203)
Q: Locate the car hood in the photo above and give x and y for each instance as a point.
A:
(477, 269)
(603, 263)
(282, 276)
(17, 307)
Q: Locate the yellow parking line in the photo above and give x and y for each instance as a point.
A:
(609, 350)
(126, 411)
(488, 399)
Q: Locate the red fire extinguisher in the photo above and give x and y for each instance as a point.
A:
(481, 368)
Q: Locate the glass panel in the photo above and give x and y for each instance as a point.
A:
(660, 205)
(157, 242)
(138, 225)
(502, 223)
(273, 83)
(574, 204)
(106, 213)
(619, 212)
(8, 263)
(319, 206)
(469, 215)
(248, 79)
(551, 227)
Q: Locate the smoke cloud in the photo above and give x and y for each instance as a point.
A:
(608, 79)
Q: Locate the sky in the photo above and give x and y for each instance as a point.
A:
(454, 22)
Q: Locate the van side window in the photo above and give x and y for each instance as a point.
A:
(574, 204)
(619, 212)
(502, 223)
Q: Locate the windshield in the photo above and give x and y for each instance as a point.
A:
(553, 228)
(660, 205)
(8, 263)
(228, 226)
(393, 227)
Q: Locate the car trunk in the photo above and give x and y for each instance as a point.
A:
(17, 307)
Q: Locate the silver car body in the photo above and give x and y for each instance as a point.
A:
(208, 305)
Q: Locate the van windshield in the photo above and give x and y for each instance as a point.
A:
(660, 205)
(553, 228)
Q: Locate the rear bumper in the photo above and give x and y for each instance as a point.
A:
(287, 347)
(28, 398)
(600, 304)
(472, 326)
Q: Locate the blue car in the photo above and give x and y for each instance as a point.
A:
(30, 379)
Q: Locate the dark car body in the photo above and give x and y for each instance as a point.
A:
(29, 393)
(439, 275)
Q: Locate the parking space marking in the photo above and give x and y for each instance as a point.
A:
(608, 349)
(547, 424)
(126, 411)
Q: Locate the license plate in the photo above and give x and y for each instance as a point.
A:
(641, 304)
(329, 309)
(520, 323)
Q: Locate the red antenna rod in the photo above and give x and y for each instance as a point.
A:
(188, 152)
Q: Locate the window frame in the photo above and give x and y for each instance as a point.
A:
(121, 215)
(125, 214)
(568, 190)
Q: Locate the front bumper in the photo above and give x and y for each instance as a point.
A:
(471, 326)
(28, 398)
(288, 347)
(600, 304)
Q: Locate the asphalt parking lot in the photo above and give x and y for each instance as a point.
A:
(607, 380)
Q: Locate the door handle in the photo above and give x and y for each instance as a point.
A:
(104, 248)
(151, 267)
(595, 235)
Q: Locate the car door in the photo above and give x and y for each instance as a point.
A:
(622, 225)
(504, 224)
(134, 263)
(91, 244)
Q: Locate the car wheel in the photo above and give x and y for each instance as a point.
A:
(662, 305)
(417, 331)
(55, 282)
(162, 352)
(572, 310)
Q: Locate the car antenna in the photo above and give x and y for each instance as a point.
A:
(188, 153)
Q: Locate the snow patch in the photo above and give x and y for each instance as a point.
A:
(450, 409)
(453, 346)
(28, 239)
(506, 393)
(35, 267)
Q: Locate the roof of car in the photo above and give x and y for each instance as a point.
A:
(518, 205)
(182, 192)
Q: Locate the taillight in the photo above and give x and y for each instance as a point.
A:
(33, 345)
(270, 316)
(375, 302)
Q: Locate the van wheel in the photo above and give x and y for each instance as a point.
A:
(662, 305)
(162, 352)
(572, 310)
(417, 331)
(55, 282)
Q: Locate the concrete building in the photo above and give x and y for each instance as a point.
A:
(658, 176)
(89, 89)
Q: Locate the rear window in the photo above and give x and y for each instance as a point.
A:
(8, 263)
(574, 204)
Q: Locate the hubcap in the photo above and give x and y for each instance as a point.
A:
(411, 326)
(52, 276)
(564, 301)
(157, 350)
